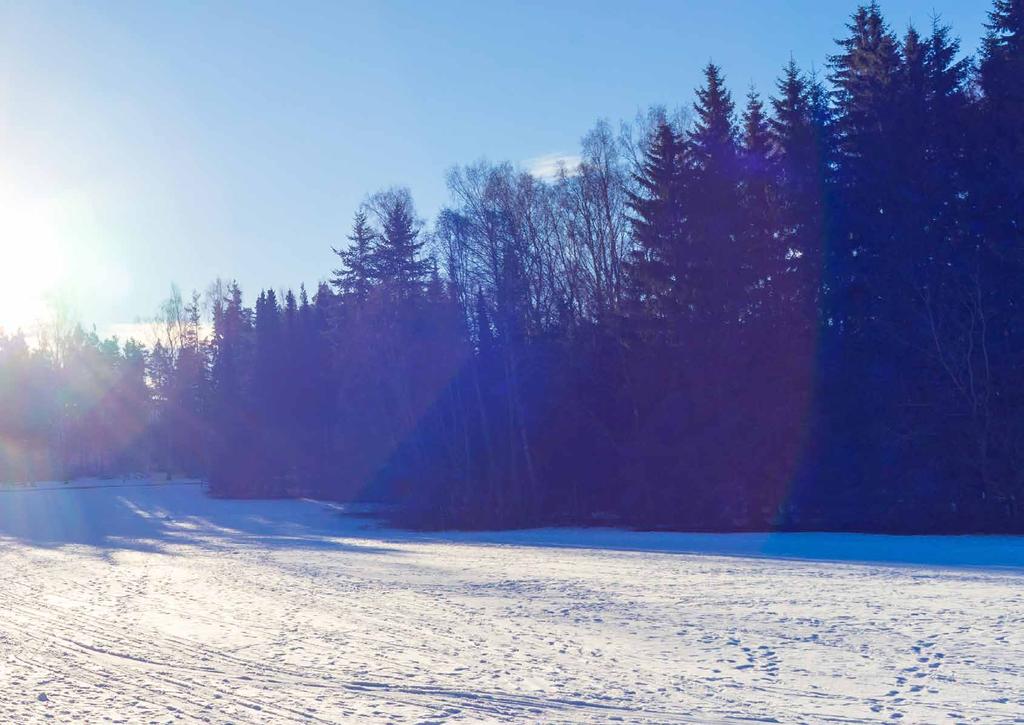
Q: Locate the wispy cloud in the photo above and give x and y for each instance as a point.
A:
(549, 166)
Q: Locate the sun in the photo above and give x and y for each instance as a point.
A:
(32, 263)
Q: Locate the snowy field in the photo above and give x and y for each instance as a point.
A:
(136, 603)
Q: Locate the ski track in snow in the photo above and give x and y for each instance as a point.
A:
(157, 604)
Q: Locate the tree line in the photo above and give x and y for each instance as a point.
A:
(803, 311)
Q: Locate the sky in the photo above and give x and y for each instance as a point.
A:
(145, 144)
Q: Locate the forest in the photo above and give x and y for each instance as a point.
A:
(798, 310)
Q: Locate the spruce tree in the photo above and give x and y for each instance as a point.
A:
(949, 128)
(656, 220)
(865, 80)
(713, 139)
(1002, 177)
(792, 133)
(1002, 57)
(909, 156)
(756, 141)
(355, 276)
(396, 256)
(762, 254)
(231, 437)
(799, 192)
(714, 277)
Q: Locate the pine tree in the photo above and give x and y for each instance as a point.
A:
(1002, 178)
(1002, 58)
(912, 93)
(189, 392)
(756, 141)
(161, 371)
(436, 292)
(355, 276)
(909, 158)
(270, 393)
(291, 371)
(865, 79)
(396, 256)
(657, 225)
(269, 349)
(799, 131)
(321, 321)
(763, 258)
(943, 173)
(714, 277)
(135, 398)
(712, 141)
(791, 128)
(291, 308)
(229, 465)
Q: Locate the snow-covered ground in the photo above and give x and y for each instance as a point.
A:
(135, 603)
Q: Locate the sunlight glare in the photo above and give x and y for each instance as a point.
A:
(34, 263)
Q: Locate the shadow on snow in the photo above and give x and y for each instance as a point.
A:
(152, 518)
(155, 518)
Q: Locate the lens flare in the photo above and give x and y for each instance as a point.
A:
(34, 264)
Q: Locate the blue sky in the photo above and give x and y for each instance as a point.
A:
(145, 143)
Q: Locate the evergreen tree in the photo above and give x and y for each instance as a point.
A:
(947, 163)
(756, 140)
(230, 466)
(268, 354)
(798, 134)
(657, 225)
(356, 274)
(763, 258)
(910, 156)
(714, 277)
(790, 124)
(396, 256)
(823, 310)
(713, 139)
(1002, 61)
(1001, 212)
(865, 79)
(189, 392)
(322, 355)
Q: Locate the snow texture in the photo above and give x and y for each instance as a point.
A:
(153, 603)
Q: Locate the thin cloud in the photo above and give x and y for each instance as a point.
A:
(549, 166)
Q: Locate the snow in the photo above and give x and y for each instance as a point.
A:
(124, 601)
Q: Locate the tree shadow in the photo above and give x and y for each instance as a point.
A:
(167, 518)
(102, 518)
